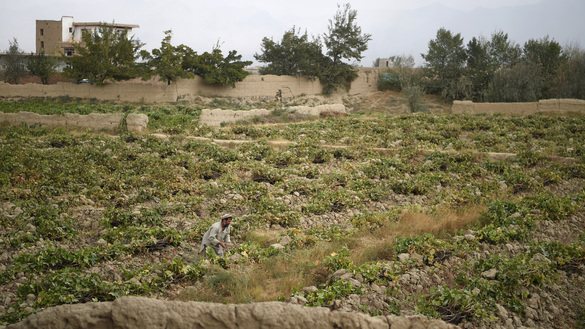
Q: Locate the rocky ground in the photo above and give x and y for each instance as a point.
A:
(556, 305)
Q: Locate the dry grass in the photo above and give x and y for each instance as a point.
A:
(277, 276)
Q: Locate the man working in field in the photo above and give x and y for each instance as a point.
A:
(217, 235)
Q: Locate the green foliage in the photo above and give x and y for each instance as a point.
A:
(432, 249)
(294, 55)
(554, 207)
(372, 221)
(345, 39)
(42, 66)
(105, 55)
(338, 260)
(166, 61)
(214, 68)
(445, 62)
(450, 305)
(14, 63)
(519, 83)
(53, 258)
(331, 292)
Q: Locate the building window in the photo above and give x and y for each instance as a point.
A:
(42, 31)
(69, 51)
(70, 30)
(42, 44)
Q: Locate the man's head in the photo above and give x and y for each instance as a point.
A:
(226, 220)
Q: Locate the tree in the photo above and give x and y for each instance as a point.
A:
(445, 64)
(479, 67)
(519, 83)
(345, 39)
(571, 78)
(294, 55)
(547, 54)
(42, 66)
(166, 61)
(14, 63)
(216, 69)
(503, 52)
(104, 55)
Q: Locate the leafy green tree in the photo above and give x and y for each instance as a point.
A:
(294, 55)
(503, 52)
(547, 54)
(166, 61)
(570, 81)
(345, 39)
(14, 63)
(334, 75)
(445, 65)
(42, 66)
(479, 67)
(519, 83)
(216, 69)
(105, 54)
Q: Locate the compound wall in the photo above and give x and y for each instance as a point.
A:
(561, 106)
(189, 89)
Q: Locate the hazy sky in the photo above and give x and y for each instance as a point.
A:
(397, 26)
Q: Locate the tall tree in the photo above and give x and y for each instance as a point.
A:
(571, 79)
(445, 64)
(479, 67)
(345, 39)
(42, 66)
(14, 63)
(166, 61)
(105, 54)
(294, 55)
(519, 83)
(548, 55)
(503, 52)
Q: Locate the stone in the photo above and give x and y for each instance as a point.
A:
(403, 257)
(236, 257)
(285, 240)
(136, 122)
(490, 274)
(309, 289)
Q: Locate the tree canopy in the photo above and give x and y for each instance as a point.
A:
(105, 54)
(42, 66)
(170, 62)
(14, 63)
(296, 55)
(345, 39)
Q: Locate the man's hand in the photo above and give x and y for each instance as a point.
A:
(222, 244)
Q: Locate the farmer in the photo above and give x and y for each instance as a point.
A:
(217, 235)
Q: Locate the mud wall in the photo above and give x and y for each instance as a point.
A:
(188, 89)
(93, 121)
(139, 312)
(562, 106)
